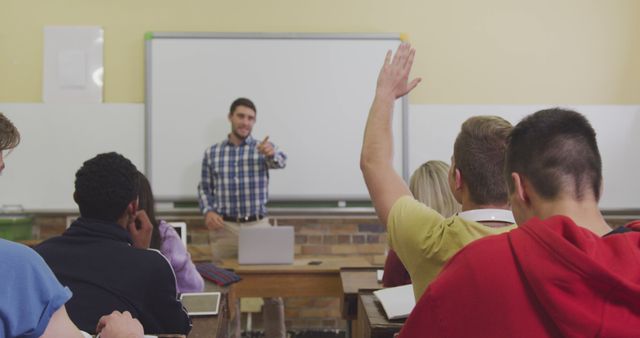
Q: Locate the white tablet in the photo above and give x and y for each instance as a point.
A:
(201, 303)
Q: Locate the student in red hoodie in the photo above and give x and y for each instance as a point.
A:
(554, 276)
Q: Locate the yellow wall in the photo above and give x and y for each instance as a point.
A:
(469, 51)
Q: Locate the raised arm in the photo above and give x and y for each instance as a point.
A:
(376, 161)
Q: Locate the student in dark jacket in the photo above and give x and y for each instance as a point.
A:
(104, 259)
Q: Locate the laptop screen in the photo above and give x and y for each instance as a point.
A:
(181, 229)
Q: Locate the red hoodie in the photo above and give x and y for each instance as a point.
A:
(547, 278)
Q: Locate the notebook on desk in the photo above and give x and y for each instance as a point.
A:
(398, 302)
(266, 245)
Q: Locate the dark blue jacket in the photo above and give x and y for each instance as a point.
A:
(97, 261)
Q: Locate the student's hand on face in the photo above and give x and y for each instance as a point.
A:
(394, 76)
(119, 325)
(266, 148)
(140, 230)
(213, 221)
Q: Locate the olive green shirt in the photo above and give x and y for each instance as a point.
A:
(425, 241)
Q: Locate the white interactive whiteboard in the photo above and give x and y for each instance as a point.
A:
(55, 140)
(312, 93)
(433, 129)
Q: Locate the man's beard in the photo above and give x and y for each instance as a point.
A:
(240, 136)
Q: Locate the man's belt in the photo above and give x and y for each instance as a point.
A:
(244, 219)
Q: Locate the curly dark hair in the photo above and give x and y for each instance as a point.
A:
(105, 185)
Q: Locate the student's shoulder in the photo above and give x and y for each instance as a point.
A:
(13, 252)
(25, 264)
(152, 261)
(166, 230)
(485, 249)
(480, 263)
(49, 242)
(149, 256)
(408, 207)
(498, 241)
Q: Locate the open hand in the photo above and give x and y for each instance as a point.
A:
(394, 75)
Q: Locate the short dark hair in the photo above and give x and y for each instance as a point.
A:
(105, 185)
(242, 101)
(556, 149)
(9, 135)
(478, 154)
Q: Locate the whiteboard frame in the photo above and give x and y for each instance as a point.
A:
(149, 37)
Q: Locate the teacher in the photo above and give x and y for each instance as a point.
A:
(233, 192)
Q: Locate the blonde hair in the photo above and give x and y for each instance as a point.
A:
(429, 185)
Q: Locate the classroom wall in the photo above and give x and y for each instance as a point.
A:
(469, 52)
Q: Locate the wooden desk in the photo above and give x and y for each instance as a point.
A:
(208, 326)
(372, 321)
(299, 279)
(353, 280)
(213, 326)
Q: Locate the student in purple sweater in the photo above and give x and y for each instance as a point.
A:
(165, 239)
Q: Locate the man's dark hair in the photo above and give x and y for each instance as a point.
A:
(479, 155)
(242, 102)
(556, 150)
(105, 185)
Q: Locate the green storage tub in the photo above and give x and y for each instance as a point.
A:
(16, 227)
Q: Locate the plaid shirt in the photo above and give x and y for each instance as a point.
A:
(235, 179)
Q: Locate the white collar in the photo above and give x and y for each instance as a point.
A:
(488, 215)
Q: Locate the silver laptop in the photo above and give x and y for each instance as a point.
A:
(266, 245)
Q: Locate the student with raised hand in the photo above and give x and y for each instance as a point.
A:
(165, 239)
(554, 276)
(32, 299)
(429, 185)
(424, 239)
(103, 258)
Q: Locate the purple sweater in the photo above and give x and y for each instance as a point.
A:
(187, 277)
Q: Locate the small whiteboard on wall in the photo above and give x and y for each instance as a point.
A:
(72, 69)
(312, 93)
